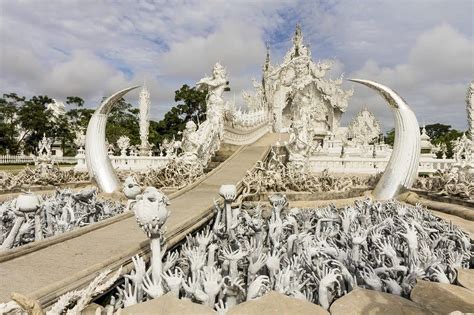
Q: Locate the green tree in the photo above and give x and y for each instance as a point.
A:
(35, 121)
(9, 105)
(439, 134)
(123, 121)
(191, 106)
(390, 137)
(443, 134)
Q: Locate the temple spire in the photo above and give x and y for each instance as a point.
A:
(297, 40)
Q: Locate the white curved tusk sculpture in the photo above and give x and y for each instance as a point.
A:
(97, 159)
(402, 168)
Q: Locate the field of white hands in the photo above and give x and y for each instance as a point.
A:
(317, 255)
(31, 217)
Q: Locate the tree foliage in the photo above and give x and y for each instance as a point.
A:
(440, 134)
(191, 106)
(24, 121)
(443, 134)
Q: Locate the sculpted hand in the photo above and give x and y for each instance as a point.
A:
(257, 287)
(152, 288)
(170, 260)
(139, 271)
(273, 261)
(129, 295)
(254, 267)
(221, 308)
(439, 275)
(173, 280)
(197, 260)
(204, 238)
(212, 281)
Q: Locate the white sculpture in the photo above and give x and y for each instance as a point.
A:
(300, 146)
(123, 143)
(97, 159)
(57, 108)
(462, 149)
(144, 106)
(402, 167)
(383, 246)
(190, 143)
(131, 190)
(31, 217)
(470, 111)
(364, 128)
(44, 147)
(80, 139)
(297, 90)
(151, 213)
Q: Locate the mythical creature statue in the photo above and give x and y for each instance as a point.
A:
(190, 143)
(215, 86)
(300, 146)
(209, 134)
(462, 149)
(123, 143)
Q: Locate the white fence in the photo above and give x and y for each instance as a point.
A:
(28, 159)
(135, 163)
(371, 165)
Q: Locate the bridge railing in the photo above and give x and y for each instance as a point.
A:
(28, 159)
(129, 163)
(371, 165)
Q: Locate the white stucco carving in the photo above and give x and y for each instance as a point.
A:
(123, 143)
(57, 108)
(144, 106)
(364, 128)
(298, 90)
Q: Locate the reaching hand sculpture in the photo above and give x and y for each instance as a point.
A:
(31, 217)
(229, 193)
(313, 254)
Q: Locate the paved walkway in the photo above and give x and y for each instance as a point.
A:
(58, 265)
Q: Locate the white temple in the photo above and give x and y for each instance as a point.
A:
(298, 90)
(295, 97)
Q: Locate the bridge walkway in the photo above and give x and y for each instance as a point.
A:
(47, 273)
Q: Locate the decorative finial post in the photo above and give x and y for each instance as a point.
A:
(144, 106)
(228, 192)
(151, 213)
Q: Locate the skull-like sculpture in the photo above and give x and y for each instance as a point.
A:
(228, 192)
(28, 202)
(151, 211)
(131, 189)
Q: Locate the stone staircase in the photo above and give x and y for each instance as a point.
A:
(223, 154)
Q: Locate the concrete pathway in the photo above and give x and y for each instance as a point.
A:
(61, 265)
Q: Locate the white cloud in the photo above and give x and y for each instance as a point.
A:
(434, 79)
(94, 47)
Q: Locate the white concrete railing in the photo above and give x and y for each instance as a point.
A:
(359, 165)
(28, 159)
(135, 163)
(244, 136)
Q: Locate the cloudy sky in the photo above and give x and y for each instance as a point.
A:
(424, 49)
